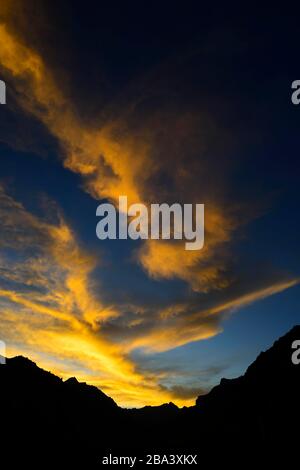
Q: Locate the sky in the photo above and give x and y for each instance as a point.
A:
(162, 103)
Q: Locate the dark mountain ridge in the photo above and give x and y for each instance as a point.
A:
(43, 416)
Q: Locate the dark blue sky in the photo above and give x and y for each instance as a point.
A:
(167, 103)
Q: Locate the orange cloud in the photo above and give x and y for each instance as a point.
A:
(113, 163)
(87, 151)
(57, 314)
(49, 301)
(175, 328)
(167, 260)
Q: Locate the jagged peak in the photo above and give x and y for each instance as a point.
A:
(71, 381)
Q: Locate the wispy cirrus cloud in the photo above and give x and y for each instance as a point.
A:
(151, 151)
(47, 306)
(118, 159)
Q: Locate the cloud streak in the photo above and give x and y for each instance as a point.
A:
(46, 290)
(118, 159)
(52, 310)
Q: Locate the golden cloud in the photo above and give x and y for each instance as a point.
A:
(53, 312)
(47, 296)
(113, 163)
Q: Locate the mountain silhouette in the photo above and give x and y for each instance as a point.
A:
(48, 421)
